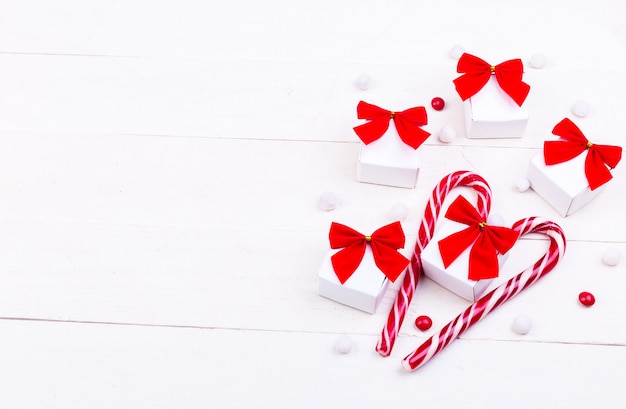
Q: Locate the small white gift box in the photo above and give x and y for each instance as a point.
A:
(388, 161)
(571, 171)
(388, 154)
(455, 277)
(492, 113)
(363, 290)
(564, 185)
(356, 270)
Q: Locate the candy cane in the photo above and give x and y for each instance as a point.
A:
(426, 230)
(499, 295)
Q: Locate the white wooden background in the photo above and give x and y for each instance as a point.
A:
(160, 164)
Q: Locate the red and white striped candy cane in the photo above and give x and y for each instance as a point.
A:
(499, 295)
(426, 230)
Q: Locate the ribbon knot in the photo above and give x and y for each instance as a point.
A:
(486, 241)
(384, 243)
(598, 162)
(407, 124)
(476, 73)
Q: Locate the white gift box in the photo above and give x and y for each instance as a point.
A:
(388, 161)
(363, 290)
(454, 278)
(492, 113)
(564, 185)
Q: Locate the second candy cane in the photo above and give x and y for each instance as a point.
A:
(499, 295)
(426, 230)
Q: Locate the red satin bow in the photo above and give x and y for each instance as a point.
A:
(407, 124)
(384, 243)
(575, 143)
(486, 241)
(476, 73)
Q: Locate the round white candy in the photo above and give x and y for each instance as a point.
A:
(522, 184)
(456, 51)
(447, 134)
(580, 108)
(538, 60)
(328, 201)
(522, 324)
(343, 344)
(399, 211)
(363, 81)
(611, 256)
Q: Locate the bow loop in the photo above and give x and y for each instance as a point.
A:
(384, 243)
(407, 123)
(486, 241)
(572, 143)
(476, 73)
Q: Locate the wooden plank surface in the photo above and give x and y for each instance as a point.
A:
(159, 231)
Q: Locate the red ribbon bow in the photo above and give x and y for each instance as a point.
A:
(574, 143)
(384, 243)
(476, 73)
(486, 241)
(407, 124)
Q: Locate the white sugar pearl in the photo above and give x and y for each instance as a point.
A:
(328, 201)
(522, 324)
(363, 81)
(447, 134)
(456, 51)
(522, 184)
(399, 211)
(343, 344)
(495, 219)
(580, 108)
(538, 60)
(611, 256)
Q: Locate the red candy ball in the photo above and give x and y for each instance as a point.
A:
(587, 299)
(438, 103)
(423, 322)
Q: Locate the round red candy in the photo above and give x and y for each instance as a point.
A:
(587, 299)
(438, 103)
(423, 322)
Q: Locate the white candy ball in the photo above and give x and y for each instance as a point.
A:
(580, 108)
(456, 51)
(522, 324)
(363, 81)
(399, 211)
(343, 344)
(328, 201)
(611, 256)
(447, 134)
(522, 184)
(538, 60)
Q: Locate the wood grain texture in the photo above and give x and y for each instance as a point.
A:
(160, 237)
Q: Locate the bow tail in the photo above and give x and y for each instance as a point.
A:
(389, 261)
(483, 260)
(511, 82)
(596, 171)
(346, 261)
(410, 133)
(455, 244)
(470, 83)
(372, 130)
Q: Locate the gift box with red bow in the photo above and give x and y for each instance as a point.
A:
(389, 154)
(494, 97)
(357, 269)
(571, 171)
(467, 250)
